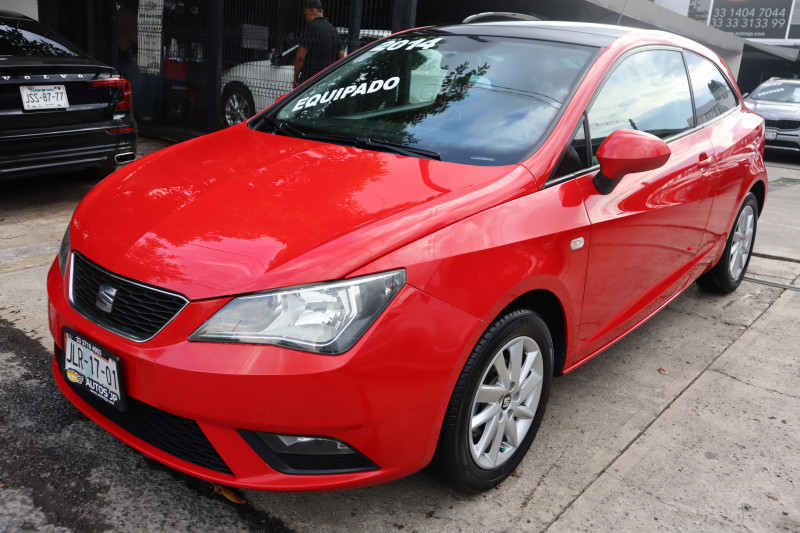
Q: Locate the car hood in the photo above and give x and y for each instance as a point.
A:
(241, 211)
(775, 110)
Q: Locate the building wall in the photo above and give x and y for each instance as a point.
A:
(26, 7)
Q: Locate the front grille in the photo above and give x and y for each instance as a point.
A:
(783, 124)
(175, 435)
(138, 311)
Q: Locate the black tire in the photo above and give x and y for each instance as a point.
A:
(459, 461)
(728, 273)
(237, 105)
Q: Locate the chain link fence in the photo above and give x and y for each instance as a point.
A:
(198, 65)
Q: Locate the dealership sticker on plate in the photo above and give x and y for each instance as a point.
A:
(91, 368)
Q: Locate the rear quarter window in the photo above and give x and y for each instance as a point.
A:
(713, 95)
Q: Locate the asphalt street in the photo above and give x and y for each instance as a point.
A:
(690, 423)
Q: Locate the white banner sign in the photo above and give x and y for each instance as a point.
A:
(151, 14)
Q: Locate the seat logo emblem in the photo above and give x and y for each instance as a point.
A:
(105, 298)
(506, 402)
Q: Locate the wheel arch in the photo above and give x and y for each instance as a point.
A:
(234, 84)
(549, 307)
(759, 190)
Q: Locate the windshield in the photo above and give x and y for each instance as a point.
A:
(777, 91)
(480, 100)
(20, 37)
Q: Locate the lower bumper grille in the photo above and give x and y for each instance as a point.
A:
(784, 145)
(175, 435)
(783, 124)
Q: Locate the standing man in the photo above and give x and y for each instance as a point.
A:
(320, 44)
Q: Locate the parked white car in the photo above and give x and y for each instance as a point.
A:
(252, 86)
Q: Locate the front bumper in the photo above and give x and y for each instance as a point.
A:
(386, 397)
(50, 150)
(785, 140)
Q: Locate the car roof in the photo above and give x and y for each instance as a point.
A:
(572, 32)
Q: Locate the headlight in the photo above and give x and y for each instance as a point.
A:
(63, 252)
(327, 318)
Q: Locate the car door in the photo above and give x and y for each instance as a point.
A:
(645, 233)
(735, 136)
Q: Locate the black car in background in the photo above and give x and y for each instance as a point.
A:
(59, 108)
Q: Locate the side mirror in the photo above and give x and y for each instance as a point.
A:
(627, 151)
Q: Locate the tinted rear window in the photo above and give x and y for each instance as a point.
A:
(20, 37)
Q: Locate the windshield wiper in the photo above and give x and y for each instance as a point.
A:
(360, 142)
(397, 148)
(286, 128)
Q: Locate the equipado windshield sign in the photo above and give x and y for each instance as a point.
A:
(344, 92)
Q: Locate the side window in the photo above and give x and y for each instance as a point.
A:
(576, 154)
(713, 95)
(648, 91)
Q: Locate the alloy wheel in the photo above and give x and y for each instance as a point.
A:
(742, 242)
(506, 402)
(237, 109)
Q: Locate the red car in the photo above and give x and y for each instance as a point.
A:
(385, 269)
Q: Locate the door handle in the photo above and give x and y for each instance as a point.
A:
(704, 161)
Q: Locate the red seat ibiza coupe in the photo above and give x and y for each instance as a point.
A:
(386, 268)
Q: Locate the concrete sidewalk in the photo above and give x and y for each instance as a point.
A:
(724, 456)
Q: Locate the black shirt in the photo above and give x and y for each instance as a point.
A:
(323, 44)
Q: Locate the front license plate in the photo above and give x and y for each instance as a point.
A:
(43, 97)
(93, 369)
(770, 135)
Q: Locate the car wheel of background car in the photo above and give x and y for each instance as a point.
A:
(498, 403)
(732, 266)
(237, 105)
